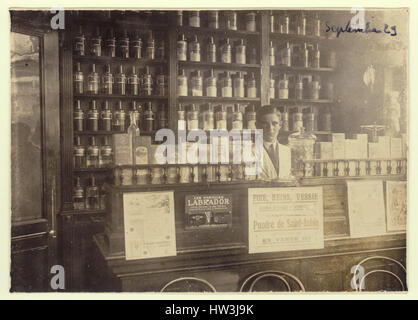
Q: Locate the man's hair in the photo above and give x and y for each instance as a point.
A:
(268, 109)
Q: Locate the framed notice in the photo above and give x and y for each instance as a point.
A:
(149, 225)
(285, 219)
(366, 208)
(396, 205)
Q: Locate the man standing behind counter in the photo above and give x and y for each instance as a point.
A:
(276, 156)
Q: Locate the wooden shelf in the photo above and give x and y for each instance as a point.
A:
(84, 212)
(118, 96)
(110, 60)
(101, 132)
(217, 99)
(296, 37)
(218, 66)
(318, 101)
(92, 170)
(219, 32)
(300, 69)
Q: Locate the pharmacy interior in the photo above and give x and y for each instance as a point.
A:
(133, 212)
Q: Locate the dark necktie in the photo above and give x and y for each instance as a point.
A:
(274, 157)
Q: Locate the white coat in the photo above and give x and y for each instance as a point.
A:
(269, 171)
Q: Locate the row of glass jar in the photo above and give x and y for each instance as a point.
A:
(117, 120)
(299, 23)
(192, 51)
(237, 86)
(92, 155)
(90, 196)
(120, 84)
(215, 20)
(126, 46)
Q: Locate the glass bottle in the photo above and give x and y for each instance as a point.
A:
(162, 118)
(79, 42)
(302, 148)
(237, 118)
(211, 88)
(251, 117)
(148, 118)
(161, 83)
(240, 53)
(285, 56)
(78, 117)
(124, 45)
(251, 87)
(316, 57)
(285, 24)
(239, 86)
(194, 19)
(79, 154)
(78, 80)
(211, 51)
(92, 160)
(226, 52)
(136, 115)
(309, 120)
(285, 120)
(150, 49)
(119, 120)
(194, 50)
(284, 87)
(102, 198)
(93, 117)
(197, 84)
(146, 83)
(107, 81)
(182, 48)
(96, 44)
(92, 195)
(181, 118)
(226, 85)
(301, 28)
(179, 18)
(231, 20)
(133, 83)
(120, 82)
(207, 118)
(193, 117)
(137, 46)
(78, 196)
(316, 26)
(182, 83)
(299, 88)
(93, 81)
(272, 90)
(221, 118)
(272, 54)
(304, 56)
(106, 154)
(110, 44)
(213, 19)
(272, 22)
(106, 118)
(250, 24)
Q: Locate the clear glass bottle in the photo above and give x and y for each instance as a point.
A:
(301, 28)
(182, 48)
(78, 80)
(136, 113)
(79, 43)
(96, 44)
(226, 52)
(194, 50)
(162, 121)
(221, 118)
(211, 51)
(231, 20)
(133, 83)
(179, 18)
(240, 53)
(237, 122)
(150, 49)
(272, 89)
(286, 56)
(119, 120)
(272, 22)
(78, 117)
(315, 57)
(78, 196)
(137, 46)
(316, 28)
(211, 87)
(92, 195)
(239, 85)
(299, 88)
(181, 118)
(161, 83)
(123, 43)
(147, 83)
(107, 81)
(272, 54)
(110, 44)
(304, 56)
(93, 81)
(92, 160)
(284, 87)
(193, 117)
(106, 117)
(194, 19)
(148, 118)
(251, 87)
(309, 120)
(213, 19)
(120, 82)
(197, 84)
(106, 154)
(93, 117)
(182, 83)
(226, 85)
(302, 148)
(207, 118)
(251, 117)
(79, 154)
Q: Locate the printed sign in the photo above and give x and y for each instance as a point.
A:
(208, 210)
(396, 205)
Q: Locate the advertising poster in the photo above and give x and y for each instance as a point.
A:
(396, 205)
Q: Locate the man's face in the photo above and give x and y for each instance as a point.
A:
(270, 123)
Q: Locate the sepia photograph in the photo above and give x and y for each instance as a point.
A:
(227, 150)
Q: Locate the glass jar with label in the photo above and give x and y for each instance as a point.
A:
(226, 52)
(285, 56)
(162, 121)
(78, 196)
(182, 83)
(120, 82)
(92, 160)
(79, 154)
(272, 54)
(309, 120)
(193, 117)
(106, 118)
(147, 83)
(231, 20)
(148, 118)
(96, 44)
(182, 48)
(106, 154)
(119, 120)
(78, 80)
(110, 44)
(181, 118)
(133, 82)
(213, 19)
(150, 49)
(284, 87)
(221, 118)
(314, 88)
(194, 19)
(297, 121)
(92, 195)
(79, 43)
(207, 118)
(194, 50)
(211, 51)
(93, 81)
(135, 114)
(226, 85)
(93, 117)
(123, 44)
(137, 46)
(239, 85)
(107, 81)
(78, 117)
(251, 87)
(237, 118)
(240, 53)
(211, 87)
(251, 117)
(197, 84)
(272, 88)
(250, 24)
(299, 88)
(161, 83)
